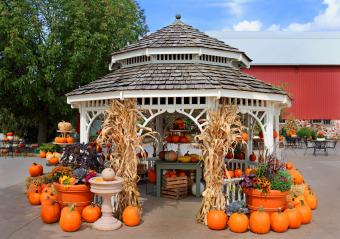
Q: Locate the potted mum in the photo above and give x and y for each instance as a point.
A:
(80, 162)
(267, 186)
(320, 136)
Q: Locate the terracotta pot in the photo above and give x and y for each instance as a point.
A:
(80, 195)
(270, 202)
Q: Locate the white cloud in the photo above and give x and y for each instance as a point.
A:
(274, 28)
(236, 8)
(248, 26)
(325, 21)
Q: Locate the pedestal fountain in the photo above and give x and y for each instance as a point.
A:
(106, 189)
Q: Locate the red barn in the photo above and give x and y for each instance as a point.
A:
(306, 64)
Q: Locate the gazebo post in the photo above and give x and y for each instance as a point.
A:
(83, 132)
(269, 140)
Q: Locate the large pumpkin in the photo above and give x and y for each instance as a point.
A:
(311, 200)
(70, 219)
(35, 170)
(131, 216)
(279, 221)
(217, 219)
(259, 222)
(294, 217)
(91, 213)
(50, 211)
(238, 222)
(305, 211)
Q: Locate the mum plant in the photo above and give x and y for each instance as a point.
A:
(270, 175)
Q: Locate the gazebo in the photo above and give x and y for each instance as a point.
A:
(179, 69)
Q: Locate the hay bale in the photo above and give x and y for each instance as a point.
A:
(46, 178)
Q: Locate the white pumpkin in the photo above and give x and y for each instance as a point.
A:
(193, 188)
(57, 155)
(108, 174)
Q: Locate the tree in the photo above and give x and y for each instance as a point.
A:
(50, 47)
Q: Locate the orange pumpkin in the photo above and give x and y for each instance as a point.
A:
(53, 160)
(91, 213)
(311, 200)
(245, 136)
(168, 139)
(297, 176)
(179, 121)
(305, 211)
(70, 219)
(280, 138)
(35, 170)
(238, 173)
(217, 219)
(274, 134)
(279, 221)
(289, 165)
(152, 176)
(231, 173)
(49, 154)
(259, 222)
(131, 216)
(175, 138)
(32, 189)
(42, 154)
(69, 140)
(248, 171)
(34, 198)
(294, 217)
(50, 211)
(184, 139)
(238, 222)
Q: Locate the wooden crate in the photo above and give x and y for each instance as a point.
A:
(175, 193)
(173, 183)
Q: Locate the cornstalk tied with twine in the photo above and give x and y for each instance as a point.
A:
(119, 129)
(221, 134)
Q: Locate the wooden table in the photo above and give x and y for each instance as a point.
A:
(161, 165)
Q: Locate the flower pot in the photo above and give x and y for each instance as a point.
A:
(80, 195)
(270, 202)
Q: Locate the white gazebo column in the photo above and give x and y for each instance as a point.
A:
(269, 140)
(277, 125)
(83, 131)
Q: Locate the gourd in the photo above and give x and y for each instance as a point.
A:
(131, 216)
(217, 219)
(108, 174)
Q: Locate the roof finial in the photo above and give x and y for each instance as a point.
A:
(178, 16)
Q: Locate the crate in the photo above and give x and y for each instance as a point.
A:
(173, 183)
(175, 193)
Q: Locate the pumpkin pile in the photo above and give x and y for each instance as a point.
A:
(53, 158)
(237, 173)
(64, 140)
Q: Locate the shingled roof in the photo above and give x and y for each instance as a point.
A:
(176, 76)
(179, 34)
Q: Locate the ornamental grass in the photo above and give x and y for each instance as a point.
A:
(218, 137)
(119, 129)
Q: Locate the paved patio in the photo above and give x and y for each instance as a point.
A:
(167, 218)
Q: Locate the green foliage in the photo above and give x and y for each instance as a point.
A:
(48, 147)
(281, 181)
(305, 132)
(50, 47)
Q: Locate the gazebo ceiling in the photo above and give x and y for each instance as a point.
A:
(176, 76)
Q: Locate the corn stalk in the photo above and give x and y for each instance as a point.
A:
(218, 136)
(120, 130)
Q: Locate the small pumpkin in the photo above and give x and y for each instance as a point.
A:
(289, 165)
(108, 174)
(279, 221)
(231, 173)
(305, 211)
(229, 155)
(238, 173)
(35, 170)
(91, 213)
(50, 211)
(170, 156)
(70, 219)
(42, 154)
(248, 171)
(69, 140)
(238, 222)
(217, 219)
(131, 216)
(33, 188)
(49, 154)
(168, 139)
(311, 200)
(245, 136)
(274, 134)
(252, 157)
(175, 138)
(259, 222)
(34, 198)
(53, 160)
(294, 217)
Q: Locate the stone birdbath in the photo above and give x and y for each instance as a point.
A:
(106, 189)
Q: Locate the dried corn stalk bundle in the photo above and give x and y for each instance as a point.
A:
(218, 136)
(120, 130)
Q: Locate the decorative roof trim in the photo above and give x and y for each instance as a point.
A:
(284, 99)
(238, 56)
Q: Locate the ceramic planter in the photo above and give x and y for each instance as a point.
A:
(270, 202)
(80, 195)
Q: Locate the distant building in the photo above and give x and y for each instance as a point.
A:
(307, 64)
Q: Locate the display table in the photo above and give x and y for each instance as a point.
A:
(166, 165)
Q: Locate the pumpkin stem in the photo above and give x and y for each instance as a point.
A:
(290, 206)
(72, 207)
(302, 202)
(261, 209)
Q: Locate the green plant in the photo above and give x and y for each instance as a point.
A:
(48, 147)
(282, 181)
(304, 132)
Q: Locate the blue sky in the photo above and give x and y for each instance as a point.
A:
(245, 15)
